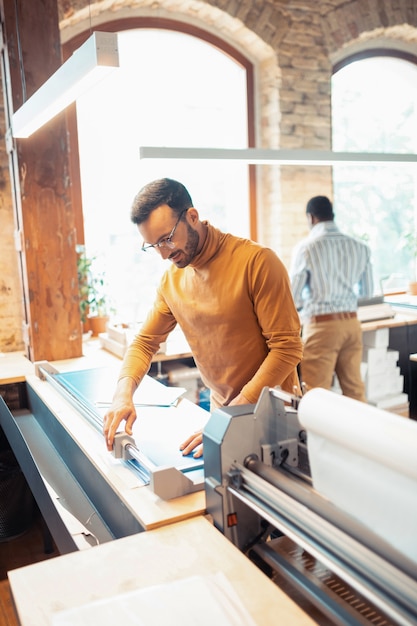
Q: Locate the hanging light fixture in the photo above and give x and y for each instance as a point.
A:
(270, 156)
(89, 64)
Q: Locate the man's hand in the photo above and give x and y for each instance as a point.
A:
(240, 399)
(122, 408)
(191, 443)
(196, 439)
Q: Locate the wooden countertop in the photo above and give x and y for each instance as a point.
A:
(173, 553)
(400, 319)
(14, 367)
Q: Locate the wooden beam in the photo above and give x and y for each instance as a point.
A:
(41, 185)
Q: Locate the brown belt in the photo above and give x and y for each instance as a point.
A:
(328, 317)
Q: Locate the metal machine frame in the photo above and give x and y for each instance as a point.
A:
(252, 499)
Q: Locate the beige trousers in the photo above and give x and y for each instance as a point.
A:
(333, 347)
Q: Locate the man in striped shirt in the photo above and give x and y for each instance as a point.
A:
(329, 271)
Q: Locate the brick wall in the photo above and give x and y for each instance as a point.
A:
(11, 305)
(293, 46)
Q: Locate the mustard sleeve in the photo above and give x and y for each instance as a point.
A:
(154, 331)
(279, 323)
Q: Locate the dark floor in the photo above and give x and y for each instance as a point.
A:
(29, 547)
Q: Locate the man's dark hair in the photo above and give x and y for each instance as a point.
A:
(321, 208)
(157, 193)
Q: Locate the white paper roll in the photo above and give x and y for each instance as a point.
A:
(364, 460)
(385, 437)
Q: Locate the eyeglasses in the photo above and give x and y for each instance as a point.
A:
(166, 242)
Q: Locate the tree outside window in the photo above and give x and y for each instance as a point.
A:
(374, 106)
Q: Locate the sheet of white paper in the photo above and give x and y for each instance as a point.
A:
(152, 392)
(159, 432)
(203, 600)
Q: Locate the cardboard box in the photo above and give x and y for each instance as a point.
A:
(379, 360)
(376, 338)
(385, 384)
(392, 357)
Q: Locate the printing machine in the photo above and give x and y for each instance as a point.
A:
(282, 494)
(87, 495)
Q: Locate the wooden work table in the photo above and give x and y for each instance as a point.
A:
(160, 557)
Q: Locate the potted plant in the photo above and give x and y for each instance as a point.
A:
(410, 244)
(93, 300)
(83, 270)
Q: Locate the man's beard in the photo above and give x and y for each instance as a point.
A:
(190, 249)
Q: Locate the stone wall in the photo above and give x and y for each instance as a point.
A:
(293, 45)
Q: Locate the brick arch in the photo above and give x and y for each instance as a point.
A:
(196, 15)
(268, 20)
(205, 17)
(399, 41)
(358, 20)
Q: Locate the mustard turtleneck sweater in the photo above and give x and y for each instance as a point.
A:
(235, 308)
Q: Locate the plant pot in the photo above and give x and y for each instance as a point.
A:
(412, 288)
(98, 324)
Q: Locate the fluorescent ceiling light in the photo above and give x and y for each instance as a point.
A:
(260, 156)
(94, 60)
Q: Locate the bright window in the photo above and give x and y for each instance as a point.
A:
(171, 89)
(374, 104)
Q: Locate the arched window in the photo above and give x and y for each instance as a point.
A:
(172, 89)
(374, 108)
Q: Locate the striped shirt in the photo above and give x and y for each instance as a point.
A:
(329, 271)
